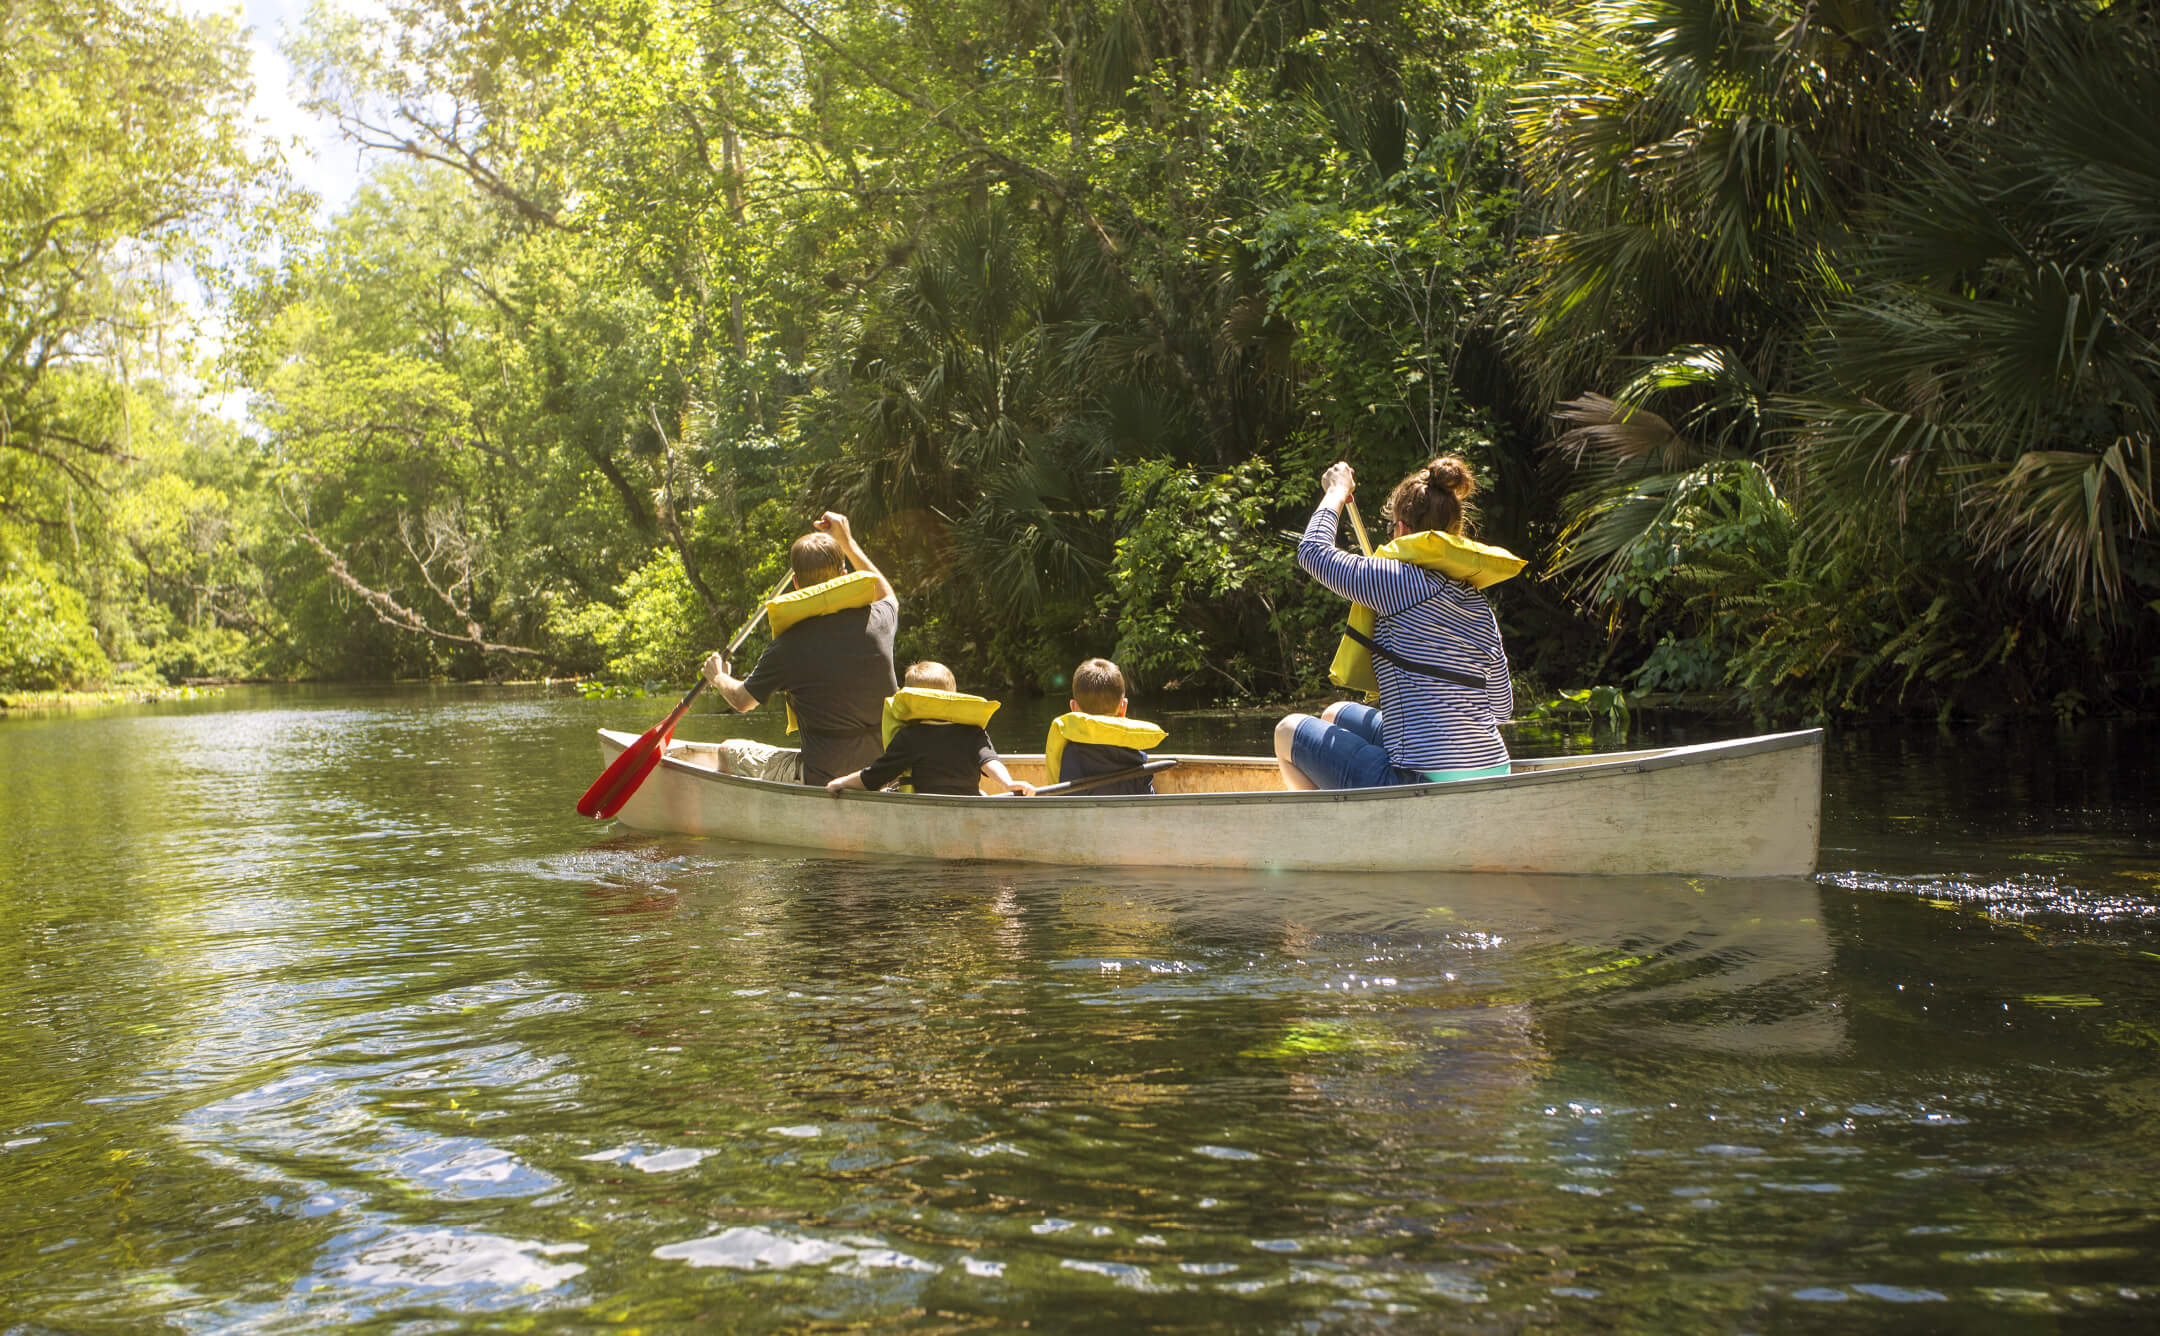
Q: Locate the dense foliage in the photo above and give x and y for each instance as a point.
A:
(1810, 351)
(126, 513)
(1901, 256)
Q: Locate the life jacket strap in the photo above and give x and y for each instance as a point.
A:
(1453, 676)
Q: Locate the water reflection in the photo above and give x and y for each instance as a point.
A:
(1172, 1083)
(323, 1012)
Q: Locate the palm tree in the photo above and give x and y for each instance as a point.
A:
(1695, 162)
(2002, 349)
(976, 397)
(1902, 253)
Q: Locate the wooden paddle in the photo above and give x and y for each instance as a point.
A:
(621, 779)
(1357, 522)
(1108, 777)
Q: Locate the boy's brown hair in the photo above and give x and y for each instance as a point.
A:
(816, 558)
(930, 674)
(1098, 686)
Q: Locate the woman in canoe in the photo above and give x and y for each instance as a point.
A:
(1436, 657)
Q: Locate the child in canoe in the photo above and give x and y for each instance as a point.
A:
(935, 739)
(1097, 738)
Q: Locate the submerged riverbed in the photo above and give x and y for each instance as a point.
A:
(323, 1009)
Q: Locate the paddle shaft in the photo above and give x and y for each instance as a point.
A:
(667, 726)
(1108, 777)
(1357, 522)
(759, 615)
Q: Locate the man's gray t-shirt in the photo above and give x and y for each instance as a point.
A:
(838, 670)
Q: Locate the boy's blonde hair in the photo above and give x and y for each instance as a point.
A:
(931, 675)
(1098, 686)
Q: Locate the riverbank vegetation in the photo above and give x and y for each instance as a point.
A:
(25, 702)
(1811, 353)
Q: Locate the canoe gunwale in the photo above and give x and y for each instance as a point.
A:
(1627, 763)
(1747, 807)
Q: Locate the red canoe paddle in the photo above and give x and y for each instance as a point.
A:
(621, 779)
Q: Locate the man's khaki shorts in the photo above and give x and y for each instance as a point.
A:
(760, 760)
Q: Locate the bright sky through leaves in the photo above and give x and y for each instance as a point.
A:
(320, 160)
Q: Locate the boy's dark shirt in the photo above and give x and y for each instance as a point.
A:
(838, 670)
(940, 758)
(1082, 759)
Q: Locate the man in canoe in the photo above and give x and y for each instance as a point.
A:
(832, 653)
(1435, 657)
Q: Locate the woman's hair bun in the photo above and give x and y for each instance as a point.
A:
(1451, 473)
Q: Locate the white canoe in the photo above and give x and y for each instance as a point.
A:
(1747, 808)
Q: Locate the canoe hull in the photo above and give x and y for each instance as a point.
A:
(1750, 808)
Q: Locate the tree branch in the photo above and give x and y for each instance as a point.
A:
(456, 157)
(392, 613)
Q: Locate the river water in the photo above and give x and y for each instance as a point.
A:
(323, 1009)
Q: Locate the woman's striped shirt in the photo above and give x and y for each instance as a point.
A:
(1424, 616)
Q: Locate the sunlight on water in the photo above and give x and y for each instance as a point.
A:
(323, 1010)
(2025, 897)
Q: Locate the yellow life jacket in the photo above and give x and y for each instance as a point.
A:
(1106, 730)
(1476, 564)
(855, 590)
(914, 705)
(858, 589)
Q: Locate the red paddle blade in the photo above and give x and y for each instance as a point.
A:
(639, 756)
(621, 779)
(628, 785)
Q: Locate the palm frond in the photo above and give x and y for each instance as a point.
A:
(2064, 518)
(1606, 436)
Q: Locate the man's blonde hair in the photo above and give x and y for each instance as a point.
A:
(816, 558)
(931, 675)
(1098, 686)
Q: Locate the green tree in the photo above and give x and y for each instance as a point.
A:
(973, 403)
(1205, 588)
(46, 640)
(189, 531)
(393, 484)
(949, 263)
(124, 167)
